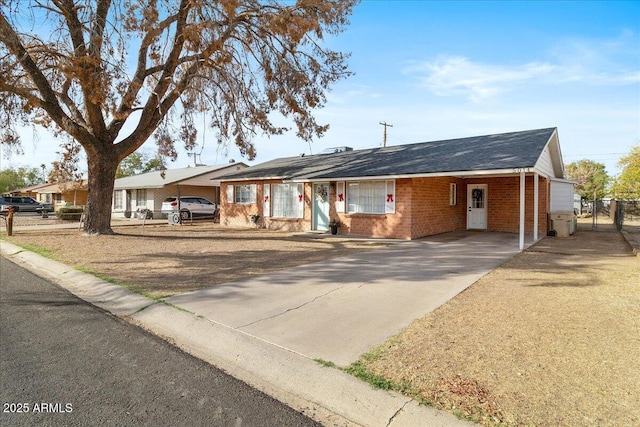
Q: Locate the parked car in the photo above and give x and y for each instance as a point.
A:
(190, 207)
(24, 204)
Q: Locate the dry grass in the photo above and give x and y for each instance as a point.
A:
(162, 260)
(551, 338)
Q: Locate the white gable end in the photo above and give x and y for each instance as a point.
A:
(550, 163)
(544, 166)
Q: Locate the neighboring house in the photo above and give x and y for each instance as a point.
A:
(148, 190)
(495, 183)
(59, 195)
(27, 191)
(73, 193)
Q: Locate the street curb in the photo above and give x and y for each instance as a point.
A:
(325, 394)
(635, 245)
(112, 298)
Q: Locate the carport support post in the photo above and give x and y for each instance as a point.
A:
(522, 181)
(535, 206)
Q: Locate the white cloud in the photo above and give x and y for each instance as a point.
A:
(456, 75)
(576, 61)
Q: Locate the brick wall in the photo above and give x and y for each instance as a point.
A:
(239, 215)
(422, 209)
(391, 225)
(431, 212)
(503, 203)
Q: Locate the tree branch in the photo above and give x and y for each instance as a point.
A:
(48, 101)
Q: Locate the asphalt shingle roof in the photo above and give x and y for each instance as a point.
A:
(156, 179)
(488, 152)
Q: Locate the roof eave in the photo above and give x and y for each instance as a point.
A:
(461, 174)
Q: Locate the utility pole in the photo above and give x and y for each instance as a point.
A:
(384, 139)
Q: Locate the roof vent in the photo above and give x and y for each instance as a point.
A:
(232, 161)
(333, 150)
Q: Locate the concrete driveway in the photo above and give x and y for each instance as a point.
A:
(339, 309)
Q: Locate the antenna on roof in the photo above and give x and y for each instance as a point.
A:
(196, 159)
(384, 137)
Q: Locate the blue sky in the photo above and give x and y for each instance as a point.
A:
(449, 69)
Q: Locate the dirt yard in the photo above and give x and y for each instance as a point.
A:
(551, 338)
(161, 260)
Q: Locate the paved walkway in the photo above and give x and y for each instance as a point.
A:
(266, 331)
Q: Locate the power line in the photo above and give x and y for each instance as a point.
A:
(594, 154)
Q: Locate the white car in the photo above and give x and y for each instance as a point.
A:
(190, 207)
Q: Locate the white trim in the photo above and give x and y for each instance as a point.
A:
(485, 188)
(341, 206)
(266, 200)
(488, 173)
(522, 210)
(568, 181)
(390, 199)
(230, 194)
(536, 190)
(301, 201)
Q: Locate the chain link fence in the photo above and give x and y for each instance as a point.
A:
(609, 215)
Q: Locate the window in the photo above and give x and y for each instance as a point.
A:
(453, 194)
(376, 197)
(117, 199)
(477, 198)
(244, 193)
(287, 201)
(141, 197)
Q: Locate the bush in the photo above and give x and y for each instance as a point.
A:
(70, 213)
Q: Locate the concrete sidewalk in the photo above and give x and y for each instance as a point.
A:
(266, 331)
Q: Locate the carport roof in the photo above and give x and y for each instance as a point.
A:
(499, 152)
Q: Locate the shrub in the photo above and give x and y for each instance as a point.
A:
(70, 213)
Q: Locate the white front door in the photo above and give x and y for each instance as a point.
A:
(477, 206)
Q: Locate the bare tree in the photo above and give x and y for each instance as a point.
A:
(109, 74)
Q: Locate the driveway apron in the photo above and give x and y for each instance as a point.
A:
(337, 310)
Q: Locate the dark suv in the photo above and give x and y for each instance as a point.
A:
(24, 204)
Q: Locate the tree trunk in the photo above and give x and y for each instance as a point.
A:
(102, 173)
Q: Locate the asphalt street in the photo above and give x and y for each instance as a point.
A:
(64, 362)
